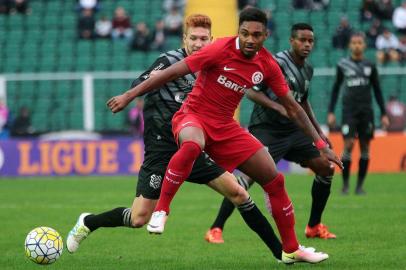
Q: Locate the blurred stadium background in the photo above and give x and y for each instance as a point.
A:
(64, 80)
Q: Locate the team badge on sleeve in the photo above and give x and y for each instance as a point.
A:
(257, 77)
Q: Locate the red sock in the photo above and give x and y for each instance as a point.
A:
(179, 168)
(282, 212)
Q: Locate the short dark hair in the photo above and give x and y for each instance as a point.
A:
(252, 14)
(299, 26)
(358, 34)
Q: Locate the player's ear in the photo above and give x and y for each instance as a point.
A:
(267, 34)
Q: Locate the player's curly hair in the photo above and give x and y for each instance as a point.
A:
(197, 20)
(252, 14)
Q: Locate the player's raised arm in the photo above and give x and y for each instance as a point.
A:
(299, 116)
(175, 71)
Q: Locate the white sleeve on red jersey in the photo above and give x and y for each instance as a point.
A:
(274, 78)
(207, 56)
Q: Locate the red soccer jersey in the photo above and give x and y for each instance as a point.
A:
(225, 74)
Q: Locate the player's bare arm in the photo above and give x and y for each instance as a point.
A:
(299, 116)
(307, 107)
(175, 71)
(261, 99)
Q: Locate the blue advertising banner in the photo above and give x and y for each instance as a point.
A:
(94, 157)
(113, 156)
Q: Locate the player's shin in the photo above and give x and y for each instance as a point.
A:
(282, 211)
(179, 168)
(362, 171)
(259, 224)
(346, 159)
(320, 193)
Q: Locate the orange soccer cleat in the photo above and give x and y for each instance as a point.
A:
(214, 236)
(319, 231)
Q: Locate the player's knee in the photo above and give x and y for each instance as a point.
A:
(192, 134)
(238, 196)
(348, 145)
(326, 169)
(191, 148)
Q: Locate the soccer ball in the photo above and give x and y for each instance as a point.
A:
(43, 245)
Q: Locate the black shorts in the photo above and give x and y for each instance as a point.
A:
(293, 146)
(358, 124)
(153, 171)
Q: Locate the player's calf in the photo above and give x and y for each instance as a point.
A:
(138, 217)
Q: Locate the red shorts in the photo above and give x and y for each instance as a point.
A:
(228, 144)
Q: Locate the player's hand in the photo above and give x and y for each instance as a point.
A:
(283, 111)
(331, 120)
(331, 156)
(326, 139)
(385, 122)
(118, 103)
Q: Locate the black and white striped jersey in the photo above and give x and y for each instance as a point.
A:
(298, 79)
(161, 104)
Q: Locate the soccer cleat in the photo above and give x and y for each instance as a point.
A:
(77, 234)
(360, 191)
(319, 231)
(214, 236)
(303, 254)
(157, 222)
(344, 190)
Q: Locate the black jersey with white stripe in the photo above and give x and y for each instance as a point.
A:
(298, 79)
(358, 78)
(161, 104)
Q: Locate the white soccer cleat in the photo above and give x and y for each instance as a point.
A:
(77, 234)
(303, 254)
(157, 222)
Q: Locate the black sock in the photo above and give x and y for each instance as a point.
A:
(320, 193)
(362, 171)
(346, 172)
(117, 217)
(225, 212)
(227, 207)
(259, 224)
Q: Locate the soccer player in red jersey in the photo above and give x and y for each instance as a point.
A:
(228, 68)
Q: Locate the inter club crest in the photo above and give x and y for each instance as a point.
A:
(257, 77)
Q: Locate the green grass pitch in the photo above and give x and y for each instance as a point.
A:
(370, 229)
